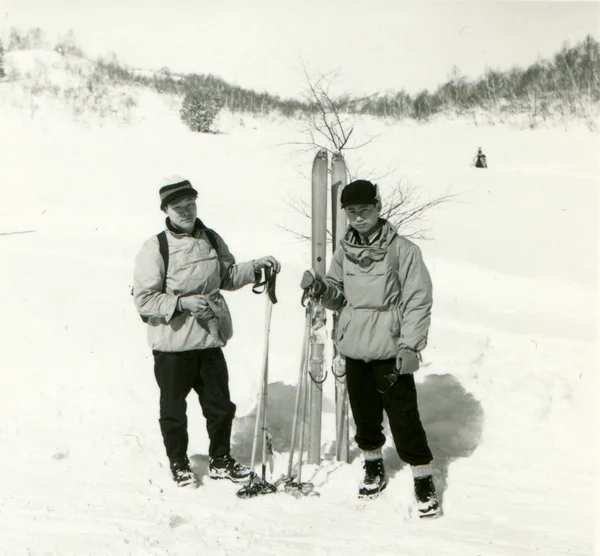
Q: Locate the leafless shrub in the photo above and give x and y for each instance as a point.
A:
(328, 121)
(329, 125)
(404, 209)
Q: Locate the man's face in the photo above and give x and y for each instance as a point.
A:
(183, 213)
(363, 218)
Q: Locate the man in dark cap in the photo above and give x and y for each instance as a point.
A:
(379, 284)
(178, 278)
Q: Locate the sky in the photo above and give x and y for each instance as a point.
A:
(363, 47)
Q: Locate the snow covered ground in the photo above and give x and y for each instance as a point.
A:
(507, 394)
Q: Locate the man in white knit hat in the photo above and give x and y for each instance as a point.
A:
(178, 278)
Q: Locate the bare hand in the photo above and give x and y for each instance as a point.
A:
(194, 303)
(267, 262)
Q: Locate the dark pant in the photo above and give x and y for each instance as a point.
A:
(206, 372)
(366, 382)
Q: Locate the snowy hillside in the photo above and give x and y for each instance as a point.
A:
(506, 396)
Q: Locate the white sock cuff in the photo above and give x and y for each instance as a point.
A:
(419, 471)
(370, 455)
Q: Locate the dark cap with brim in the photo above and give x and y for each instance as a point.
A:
(173, 191)
(359, 192)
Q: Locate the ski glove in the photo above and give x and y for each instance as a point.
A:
(407, 361)
(311, 280)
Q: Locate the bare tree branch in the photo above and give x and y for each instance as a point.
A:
(327, 121)
(299, 237)
(403, 209)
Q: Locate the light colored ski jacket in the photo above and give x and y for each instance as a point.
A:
(194, 268)
(383, 293)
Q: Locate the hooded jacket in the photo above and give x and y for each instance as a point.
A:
(383, 293)
(194, 268)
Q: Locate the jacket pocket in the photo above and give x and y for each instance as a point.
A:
(365, 290)
(367, 336)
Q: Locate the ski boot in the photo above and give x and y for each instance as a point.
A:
(182, 473)
(225, 467)
(428, 504)
(375, 479)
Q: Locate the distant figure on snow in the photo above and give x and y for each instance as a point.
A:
(480, 160)
(380, 284)
(177, 280)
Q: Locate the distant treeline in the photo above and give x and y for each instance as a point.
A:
(566, 84)
(569, 83)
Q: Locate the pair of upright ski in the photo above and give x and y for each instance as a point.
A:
(320, 172)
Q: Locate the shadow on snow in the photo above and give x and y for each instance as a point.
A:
(453, 420)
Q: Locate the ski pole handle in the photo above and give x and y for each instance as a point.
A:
(267, 284)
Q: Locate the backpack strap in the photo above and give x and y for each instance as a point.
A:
(212, 238)
(211, 235)
(163, 247)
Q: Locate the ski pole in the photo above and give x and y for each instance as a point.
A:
(268, 311)
(261, 409)
(305, 403)
(259, 412)
(299, 393)
(342, 428)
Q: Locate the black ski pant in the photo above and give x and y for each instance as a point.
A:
(370, 393)
(204, 371)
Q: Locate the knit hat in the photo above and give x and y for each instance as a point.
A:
(360, 192)
(175, 187)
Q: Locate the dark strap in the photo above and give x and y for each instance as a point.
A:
(268, 284)
(211, 235)
(212, 238)
(163, 247)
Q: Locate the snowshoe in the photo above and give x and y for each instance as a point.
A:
(225, 467)
(375, 479)
(182, 474)
(428, 504)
